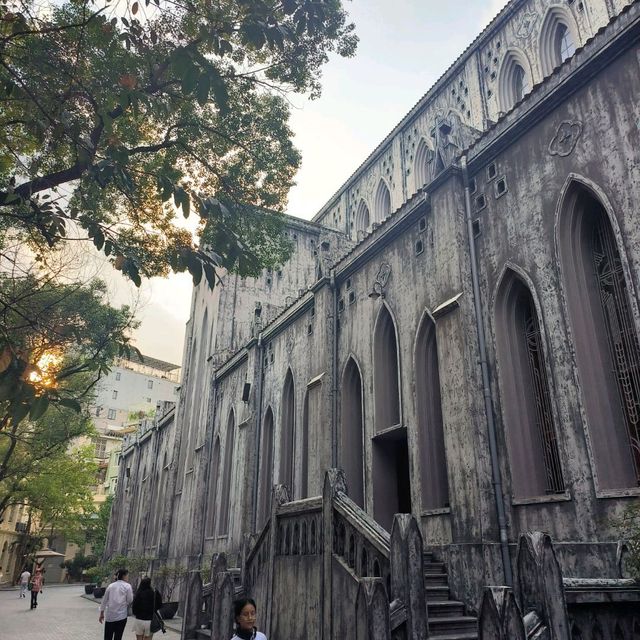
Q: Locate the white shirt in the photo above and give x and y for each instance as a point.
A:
(116, 601)
(24, 577)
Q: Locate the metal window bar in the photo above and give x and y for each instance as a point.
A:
(621, 334)
(544, 413)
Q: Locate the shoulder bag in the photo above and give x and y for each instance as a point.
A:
(157, 623)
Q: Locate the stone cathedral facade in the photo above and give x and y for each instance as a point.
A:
(456, 330)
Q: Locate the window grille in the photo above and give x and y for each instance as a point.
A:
(621, 334)
(544, 414)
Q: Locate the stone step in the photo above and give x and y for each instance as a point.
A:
(436, 579)
(436, 593)
(203, 633)
(427, 556)
(456, 636)
(434, 567)
(452, 625)
(445, 608)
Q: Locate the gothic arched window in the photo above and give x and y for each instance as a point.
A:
(351, 454)
(421, 164)
(362, 220)
(433, 466)
(385, 362)
(526, 397)
(558, 38)
(266, 468)
(382, 202)
(213, 488)
(604, 331)
(287, 433)
(225, 493)
(515, 79)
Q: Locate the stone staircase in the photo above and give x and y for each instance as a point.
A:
(447, 619)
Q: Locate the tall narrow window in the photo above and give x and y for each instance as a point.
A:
(606, 341)
(287, 433)
(558, 38)
(515, 79)
(213, 488)
(421, 164)
(564, 44)
(304, 449)
(526, 397)
(383, 202)
(362, 220)
(387, 390)
(266, 468)
(225, 494)
(433, 466)
(351, 454)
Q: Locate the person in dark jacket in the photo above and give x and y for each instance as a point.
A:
(145, 603)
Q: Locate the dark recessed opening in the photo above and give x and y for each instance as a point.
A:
(419, 247)
(422, 224)
(480, 202)
(501, 186)
(352, 297)
(476, 228)
(491, 171)
(348, 283)
(340, 305)
(473, 187)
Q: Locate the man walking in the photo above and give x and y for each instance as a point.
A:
(115, 606)
(25, 576)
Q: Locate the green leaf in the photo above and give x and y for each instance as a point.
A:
(39, 406)
(70, 403)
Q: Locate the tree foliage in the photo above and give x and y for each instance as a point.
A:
(114, 116)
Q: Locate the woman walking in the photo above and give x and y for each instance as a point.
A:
(114, 606)
(36, 587)
(244, 613)
(145, 603)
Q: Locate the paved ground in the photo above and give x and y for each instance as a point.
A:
(62, 614)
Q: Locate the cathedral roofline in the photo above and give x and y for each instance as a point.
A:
(607, 44)
(502, 16)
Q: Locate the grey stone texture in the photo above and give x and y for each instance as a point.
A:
(272, 364)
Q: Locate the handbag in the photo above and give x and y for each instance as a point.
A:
(157, 623)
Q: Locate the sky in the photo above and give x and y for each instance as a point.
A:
(405, 46)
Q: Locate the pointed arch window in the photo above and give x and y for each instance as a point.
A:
(304, 449)
(515, 79)
(558, 38)
(351, 453)
(526, 397)
(225, 493)
(386, 370)
(266, 468)
(383, 202)
(606, 339)
(433, 466)
(422, 164)
(213, 488)
(287, 432)
(564, 45)
(362, 220)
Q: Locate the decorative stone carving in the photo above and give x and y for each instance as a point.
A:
(382, 278)
(526, 26)
(566, 138)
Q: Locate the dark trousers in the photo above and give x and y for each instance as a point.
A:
(114, 630)
(34, 599)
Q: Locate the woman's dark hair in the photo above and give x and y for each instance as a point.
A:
(145, 584)
(122, 573)
(239, 605)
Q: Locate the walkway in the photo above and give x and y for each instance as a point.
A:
(62, 614)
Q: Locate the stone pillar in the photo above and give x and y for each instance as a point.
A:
(407, 573)
(540, 583)
(218, 565)
(500, 617)
(192, 606)
(222, 621)
(334, 481)
(372, 611)
(280, 496)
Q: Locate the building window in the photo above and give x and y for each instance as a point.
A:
(564, 45)
(382, 202)
(515, 80)
(149, 384)
(111, 415)
(531, 433)
(520, 83)
(148, 400)
(114, 394)
(606, 341)
(118, 375)
(101, 448)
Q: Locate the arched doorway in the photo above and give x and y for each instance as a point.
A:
(391, 478)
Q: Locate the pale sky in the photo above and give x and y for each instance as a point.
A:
(405, 46)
